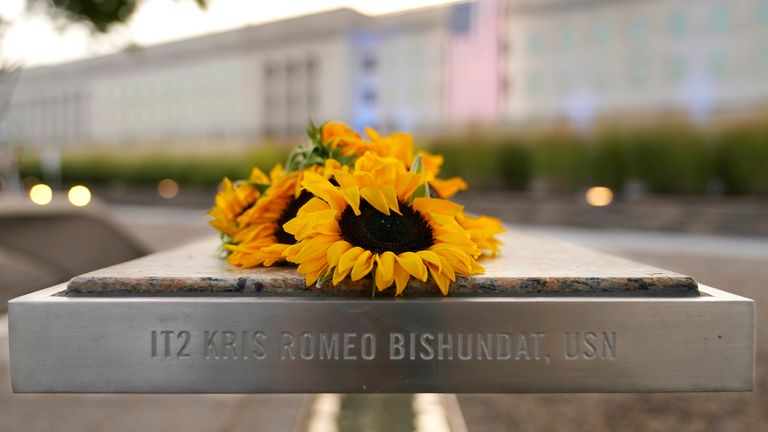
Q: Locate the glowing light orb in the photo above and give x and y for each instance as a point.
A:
(79, 196)
(41, 194)
(167, 188)
(599, 196)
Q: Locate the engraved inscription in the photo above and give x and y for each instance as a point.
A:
(467, 346)
(590, 345)
(250, 345)
(170, 344)
(232, 345)
(327, 346)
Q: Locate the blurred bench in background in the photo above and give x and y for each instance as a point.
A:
(45, 245)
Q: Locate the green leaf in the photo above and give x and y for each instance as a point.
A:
(323, 279)
(417, 165)
(312, 130)
(420, 192)
(262, 187)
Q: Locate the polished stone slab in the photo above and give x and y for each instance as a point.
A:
(528, 265)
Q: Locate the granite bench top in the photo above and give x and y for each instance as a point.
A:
(527, 266)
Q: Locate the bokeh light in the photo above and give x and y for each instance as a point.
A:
(599, 196)
(79, 196)
(41, 194)
(167, 188)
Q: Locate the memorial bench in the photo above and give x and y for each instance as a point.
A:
(545, 317)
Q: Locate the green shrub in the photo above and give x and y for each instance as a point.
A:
(668, 160)
(103, 167)
(742, 161)
(563, 161)
(474, 158)
(515, 161)
(675, 161)
(609, 161)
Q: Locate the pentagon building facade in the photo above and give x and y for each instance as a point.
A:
(491, 62)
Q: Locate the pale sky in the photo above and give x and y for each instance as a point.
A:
(35, 40)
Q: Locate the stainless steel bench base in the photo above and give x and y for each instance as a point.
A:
(304, 345)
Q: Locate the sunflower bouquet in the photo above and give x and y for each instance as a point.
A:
(346, 206)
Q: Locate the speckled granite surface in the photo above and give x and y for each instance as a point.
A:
(527, 266)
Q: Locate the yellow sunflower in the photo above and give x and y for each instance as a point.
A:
(262, 240)
(233, 199)
(367, 222)
(338, 135)
(483, 230)
(398, 145)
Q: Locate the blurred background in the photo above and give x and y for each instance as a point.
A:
(638, 127)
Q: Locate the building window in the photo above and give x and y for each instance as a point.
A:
(638, 29)
(312, 84)
(534, 82)
(311, 65)
(291, 69)
(718, 64)
(269, 72)
(566, 38)
(505, 47)
(763, 12)
(762, 60)
(678, 68)
(535, 43)
(678, 24)
(369, 63)
(598, 78)
(504, 85)
(638, 74)
(369, 97)
(720, 18)
(600, 34)
(461, 18)
(312, 101)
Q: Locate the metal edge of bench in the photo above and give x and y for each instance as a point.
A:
(704, 343)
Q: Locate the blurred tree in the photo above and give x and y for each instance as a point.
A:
(100, 14)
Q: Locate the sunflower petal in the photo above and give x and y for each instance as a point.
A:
(313, 205)
(441, 279)
(385, 271)
(352, 196)
(339, 275)
(447, 188)
(363, 266)
(322, 188)
(413, 264)
(348, 259)
(437, 205)
(258, 176)
(390, 196)
(401, 278)
(431, 257)
(336, 251)
(376, 198)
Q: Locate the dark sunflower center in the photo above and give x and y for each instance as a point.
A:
(377, 232)
(289, 213)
